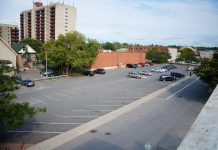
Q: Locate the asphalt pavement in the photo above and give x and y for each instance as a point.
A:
(71, 102)
(160, 123)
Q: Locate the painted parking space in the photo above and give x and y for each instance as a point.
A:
(71, 102)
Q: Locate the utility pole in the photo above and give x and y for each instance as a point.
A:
(46, 63)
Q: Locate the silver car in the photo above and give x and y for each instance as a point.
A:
(134, 75)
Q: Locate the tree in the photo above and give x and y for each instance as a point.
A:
(35, 44)
(158, 56)
(208, 71)
(70, 52)
(12, 113)
(187, 54)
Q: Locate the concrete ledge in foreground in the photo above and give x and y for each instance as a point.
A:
(203, 134)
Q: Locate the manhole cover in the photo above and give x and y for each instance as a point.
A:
(107, 133)
(93, 131)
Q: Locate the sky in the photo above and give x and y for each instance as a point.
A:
(161, 22)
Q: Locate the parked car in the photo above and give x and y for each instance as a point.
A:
(142, 64)
(48, 73)
(190, 69)
(99, 71)
(145, 73)
(27, 83)
(158, 70)
(148, 63)
(176, 74)
(134, 75)
(129, 66)
(136, 66)
(167, 78)
(88, 73)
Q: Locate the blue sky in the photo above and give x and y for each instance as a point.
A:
(164, 22)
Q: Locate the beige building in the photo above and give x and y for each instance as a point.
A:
(47, 22)
(7, 54)
(206, 54)
(9, 33)
(173, 52)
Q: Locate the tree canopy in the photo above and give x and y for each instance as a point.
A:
(114, 46)
(208, 71)
(35, 44)
(69, 52)
(158, 56)
(12, 113)
(187, 54)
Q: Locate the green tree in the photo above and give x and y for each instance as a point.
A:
(208, 71)
(12, 113)
(70, 52)
(158, 56)
(187, 54)
(35, 44)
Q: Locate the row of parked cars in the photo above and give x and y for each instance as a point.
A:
(93, 72)
(139, 65)
(172, 77)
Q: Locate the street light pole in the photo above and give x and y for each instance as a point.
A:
(46, 63)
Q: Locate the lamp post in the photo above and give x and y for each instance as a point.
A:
(46, 63)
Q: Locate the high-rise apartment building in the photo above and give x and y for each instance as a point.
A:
(9, 33)
(47, 22)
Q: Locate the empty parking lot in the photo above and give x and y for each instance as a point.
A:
(71, 102)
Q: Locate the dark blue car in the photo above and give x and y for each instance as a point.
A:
(27, 83)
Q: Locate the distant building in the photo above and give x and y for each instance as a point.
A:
(47, 22)
(26, 56)
(139, 48)
(122, 50)
(206, 54)
(173, 52)
(7, 54)
(9, 33)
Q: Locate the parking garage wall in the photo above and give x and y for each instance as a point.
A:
(118, 59)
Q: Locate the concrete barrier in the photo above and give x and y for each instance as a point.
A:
(203, 134)
(73, 133)
(49, 78)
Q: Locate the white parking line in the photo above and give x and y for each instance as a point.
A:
(182, 88)
(44, 132)
(62, 95)
(92, 110)
(50, 98)
(104, 105)
(63, 116)
(58, 123)
(38, 101)
(125, 97)
(118, 101)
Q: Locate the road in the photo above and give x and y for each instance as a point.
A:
(161, 123)
(71, 102)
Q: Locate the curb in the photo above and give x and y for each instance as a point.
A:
(49, 78)
(60, 139)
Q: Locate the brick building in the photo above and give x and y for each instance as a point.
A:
(117, 59)
(9, 33)
(139, 48)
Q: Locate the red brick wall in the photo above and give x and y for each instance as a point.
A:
(113, 59)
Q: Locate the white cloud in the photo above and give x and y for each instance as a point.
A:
(140, 21)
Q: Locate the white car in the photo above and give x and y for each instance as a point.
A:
(159, 70)
(190, 69)
(145, 73)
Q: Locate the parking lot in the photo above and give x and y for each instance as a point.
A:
(71, 102)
